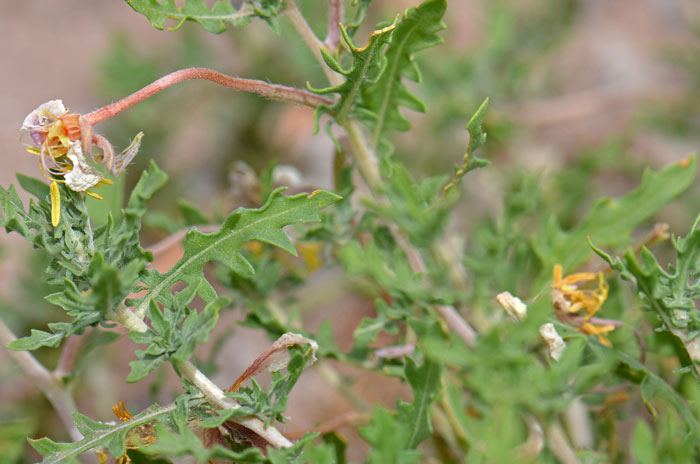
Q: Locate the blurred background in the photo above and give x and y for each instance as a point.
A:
(584, 94)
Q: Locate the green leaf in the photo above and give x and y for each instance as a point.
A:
(389, 438)
(477, 137)
(653, 386)
(36, 340)
(174, 333)
(212, 20)
(425, 382)
(97, 434)
(264, 224)
(416, 31)
(34, 186)
(412, 205)
(609, 222)
(672, 294)
(367, 65)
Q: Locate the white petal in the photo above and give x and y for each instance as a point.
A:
(83, 176)
(43, 114)
(555, 344)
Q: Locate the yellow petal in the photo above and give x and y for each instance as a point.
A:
(55, 204)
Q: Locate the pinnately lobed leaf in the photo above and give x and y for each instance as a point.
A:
(368, 63)
(243, 225)
(416, 31)
(96, 434)
(610, 220)
(212, 19)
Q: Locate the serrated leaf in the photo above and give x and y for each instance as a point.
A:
(609, 222)
(212, 20)
(477, 137)
(416, 31)
(264, 224)
(425, 382)
(389, 439)
(367, 65)
(653, 386)
(36, 340)
(671, 294)
(96, 434)
(92, 270)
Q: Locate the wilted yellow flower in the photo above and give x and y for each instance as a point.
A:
(569, 298)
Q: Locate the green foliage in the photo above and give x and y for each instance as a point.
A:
(416, 31)
(214, 19)
(367, 66)
(174, 333)
(425, 382)
(610, 221)
(112, 437)
(390, 439)
(93, 270)
(467, 383)
(264, 224)
(670, 294)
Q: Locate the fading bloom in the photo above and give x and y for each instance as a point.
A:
(555, 344)
(63, 141)
(569, 298)
(513, 305)
(140, 435)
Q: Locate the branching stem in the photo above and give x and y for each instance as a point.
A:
(59, 397)
(212, 392)
(310, 39)
(264, 89)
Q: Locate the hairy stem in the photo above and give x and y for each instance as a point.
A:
(368, 164)
(272, 91)
(58, 396)
(69, 353)
(335, 17)
(310, 39)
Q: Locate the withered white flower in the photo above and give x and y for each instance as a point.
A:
(555, 344)
(513, 305)
(82, 176)
(44, 114)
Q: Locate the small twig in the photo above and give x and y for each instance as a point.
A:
(211, 391)
(217, 397)
(59, 397)
(309, 37)
(453, 319)
(175, 239)
(559, 445)
(531, 449)
(335, 17)
(69, 354)
(272, 91)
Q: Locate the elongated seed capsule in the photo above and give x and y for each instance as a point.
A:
(55, 204)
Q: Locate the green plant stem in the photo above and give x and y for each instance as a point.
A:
(59, 397)
(211, 391)
(310, 39)
(368, 164)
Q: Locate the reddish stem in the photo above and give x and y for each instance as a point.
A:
(335, 17)
(264, 89)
